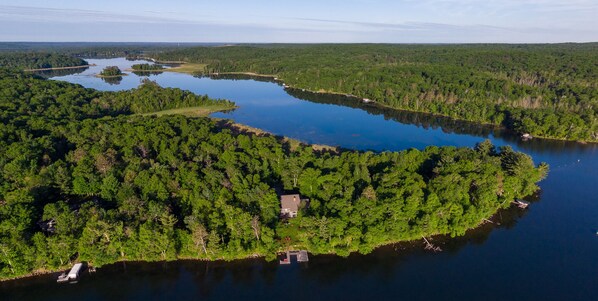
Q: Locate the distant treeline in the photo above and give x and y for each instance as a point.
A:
(546, 90)
(38, 60)
(95, 49)
(83, 179)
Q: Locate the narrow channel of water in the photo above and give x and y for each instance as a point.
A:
(549, 252)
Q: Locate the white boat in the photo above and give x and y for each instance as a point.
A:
(526, 136)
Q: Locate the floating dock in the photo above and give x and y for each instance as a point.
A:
(301, 256)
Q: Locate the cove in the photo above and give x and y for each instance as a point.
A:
(545, 253)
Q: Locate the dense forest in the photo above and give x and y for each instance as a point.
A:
(38, 60)
(546, 90)
(147, 67)
(83, 177)
(96, 49)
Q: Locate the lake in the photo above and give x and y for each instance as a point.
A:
(547, 252)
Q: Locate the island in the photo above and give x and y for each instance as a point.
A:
(147, 67)
(103, 177)
(111, 71)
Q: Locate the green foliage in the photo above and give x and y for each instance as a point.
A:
(116, 186)
(150, 97)
(111, 71)
(38, 60)
(545, 90)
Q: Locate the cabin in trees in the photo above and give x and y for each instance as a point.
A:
(290, 204)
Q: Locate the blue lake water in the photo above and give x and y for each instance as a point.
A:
(548, 252)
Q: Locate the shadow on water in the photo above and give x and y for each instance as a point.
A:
(423, 120)
(147, 73)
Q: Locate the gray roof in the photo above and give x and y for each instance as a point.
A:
(290, 202)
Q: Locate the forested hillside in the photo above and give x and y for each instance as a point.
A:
(83, 178)
(546, 90)
(38, 60)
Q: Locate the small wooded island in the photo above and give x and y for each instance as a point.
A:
(147, 67)
(111, 71)
(87, 176)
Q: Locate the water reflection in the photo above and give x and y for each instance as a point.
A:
(112, 80)
(60, 72)
(147, 73)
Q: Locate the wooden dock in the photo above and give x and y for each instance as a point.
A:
(300, 255)
(73, 274)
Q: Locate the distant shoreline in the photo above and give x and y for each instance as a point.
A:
(59, 68)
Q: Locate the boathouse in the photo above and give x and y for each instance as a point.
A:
(290, 204)
(73, 274)
(301, 256)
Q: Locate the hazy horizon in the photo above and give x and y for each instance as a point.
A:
(309, 21)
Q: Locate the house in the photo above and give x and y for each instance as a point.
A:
(290, 204)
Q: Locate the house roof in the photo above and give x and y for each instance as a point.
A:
(290, 202)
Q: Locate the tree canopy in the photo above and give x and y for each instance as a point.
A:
(111, 71)
(83, 177)
(147, 67)
(38, 60)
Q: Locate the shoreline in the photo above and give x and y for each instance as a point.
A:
(376, 103)
(243, 128)
(59, 68)
(371, 103)
(133, 70)
(431, 237)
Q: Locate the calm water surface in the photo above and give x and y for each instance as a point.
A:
(548, 252)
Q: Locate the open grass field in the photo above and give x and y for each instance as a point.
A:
(190, 68)
(201, 111)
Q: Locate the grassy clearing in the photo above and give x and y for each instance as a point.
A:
(293, 143)
(190, 68)
(201, 111)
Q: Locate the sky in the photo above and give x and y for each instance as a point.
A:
(300, 21)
